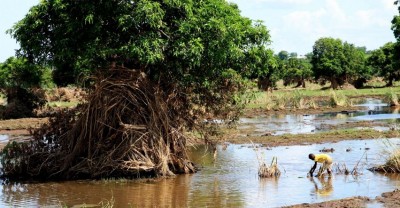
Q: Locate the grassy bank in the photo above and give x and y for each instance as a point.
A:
(316, 96)
(236, 137)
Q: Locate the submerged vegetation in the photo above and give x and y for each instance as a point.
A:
(269, 171)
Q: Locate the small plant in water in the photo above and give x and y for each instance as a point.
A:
(265, 171)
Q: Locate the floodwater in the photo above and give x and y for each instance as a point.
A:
(231, 178)
(375, 110)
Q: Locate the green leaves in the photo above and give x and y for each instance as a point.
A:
(17, 72)
(337, 62)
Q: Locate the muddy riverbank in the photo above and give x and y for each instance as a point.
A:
(225, 179)
(387, 199)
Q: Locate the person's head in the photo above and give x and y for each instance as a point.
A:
(311, 156)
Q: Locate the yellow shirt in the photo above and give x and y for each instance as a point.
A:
(321, 158)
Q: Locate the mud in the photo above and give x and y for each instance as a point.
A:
(387, 199)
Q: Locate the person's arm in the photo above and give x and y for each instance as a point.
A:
(313, 169)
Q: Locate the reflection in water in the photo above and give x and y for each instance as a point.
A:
(374, 110)
(230, 181)
(165, 193)
(324, 188)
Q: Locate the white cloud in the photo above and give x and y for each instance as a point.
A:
(389, 5)
(335, 10)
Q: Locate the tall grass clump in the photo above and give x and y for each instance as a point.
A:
(391, 98)
(338, 99)
(297, 100)
(281, 101)
(392, 164)
(264, 170)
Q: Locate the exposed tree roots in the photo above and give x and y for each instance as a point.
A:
(127, 127)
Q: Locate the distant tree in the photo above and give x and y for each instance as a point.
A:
(264, 66)
(283, 55)
(394, 72)
(18, 79)
(327, 60)
(383, 63)
(296, 70)
(356, 71)
(338, 62)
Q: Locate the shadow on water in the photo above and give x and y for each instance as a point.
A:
(231, 180)
(374, 110)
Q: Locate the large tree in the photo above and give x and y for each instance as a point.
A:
(264, 67)
(296, 70)
(162, 66)
(338, 62)
(383, 62)
(192, 44)
(327, 60)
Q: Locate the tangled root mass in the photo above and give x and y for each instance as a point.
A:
(127, 127)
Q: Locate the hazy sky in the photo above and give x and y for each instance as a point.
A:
(294, 24)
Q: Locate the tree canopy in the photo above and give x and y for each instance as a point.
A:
(194, 45)
(177, 40)
(338, 62)
(382, 61)
(161, 67)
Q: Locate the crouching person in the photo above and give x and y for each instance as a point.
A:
(326, 161)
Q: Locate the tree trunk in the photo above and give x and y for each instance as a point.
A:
(390, 82)
(334, 83)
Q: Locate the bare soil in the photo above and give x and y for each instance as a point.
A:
(387, 199)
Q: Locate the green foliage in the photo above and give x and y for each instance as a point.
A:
(383, 62)
(184, 43)
(295, 70)
(338, 62)
(18, 72)
(19, 80)
(264, 67)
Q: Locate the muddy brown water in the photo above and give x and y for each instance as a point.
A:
(231, 179)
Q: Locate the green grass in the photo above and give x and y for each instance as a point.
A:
(62, 104)
(278, 97)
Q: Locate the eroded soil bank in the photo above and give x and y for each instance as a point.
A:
(387, 199)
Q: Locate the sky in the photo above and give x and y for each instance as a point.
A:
(11, 11)
(294, 25)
